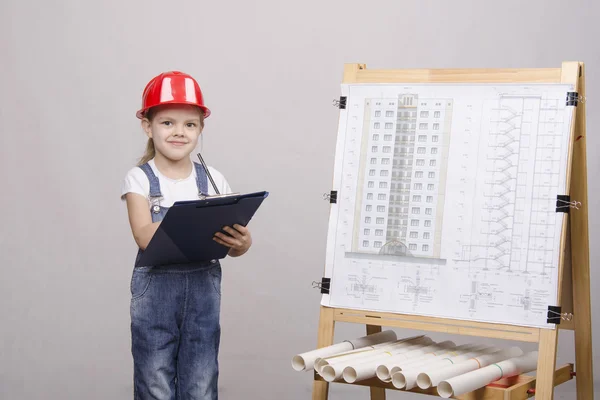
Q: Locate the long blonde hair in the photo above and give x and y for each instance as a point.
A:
(150, 151)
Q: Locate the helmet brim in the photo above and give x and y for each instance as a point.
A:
(142, 113)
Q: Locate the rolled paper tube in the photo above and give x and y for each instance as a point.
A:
(320, 362)
(407, 378)
(362, 350)
(305, 361)
(383, 370)
(432, 355)
(385, 336)
(403, 379)
(355, 356)
(368, 369)
(358, 370)
(334, 371)
(432, 377)
(477, 379)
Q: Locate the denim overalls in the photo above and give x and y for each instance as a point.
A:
(175, 328)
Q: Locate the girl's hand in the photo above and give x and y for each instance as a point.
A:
(238, 242)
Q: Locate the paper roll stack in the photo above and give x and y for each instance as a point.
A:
(416, 361)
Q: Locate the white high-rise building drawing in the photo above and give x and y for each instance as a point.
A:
(402, 176)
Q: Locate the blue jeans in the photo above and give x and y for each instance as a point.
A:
(175, 331)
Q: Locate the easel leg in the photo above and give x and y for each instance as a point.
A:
(544, 387)
(376, 393)
(326, 330)
(583, 333)
(580, 256)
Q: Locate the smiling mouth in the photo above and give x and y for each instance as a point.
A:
(177, 143)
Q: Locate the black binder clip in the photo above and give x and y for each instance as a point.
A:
(573, 98)
(564, 203)
(331, 196)
(341, 103)
(324, 285)
(555, 315)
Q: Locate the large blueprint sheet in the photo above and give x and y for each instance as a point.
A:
(446, 202)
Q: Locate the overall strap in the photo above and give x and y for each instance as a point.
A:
(201, 180)
(154, 183)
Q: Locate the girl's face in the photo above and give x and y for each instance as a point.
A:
(175, 130)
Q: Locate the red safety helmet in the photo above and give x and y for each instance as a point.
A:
(172, 87)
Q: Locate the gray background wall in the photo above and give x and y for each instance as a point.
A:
(71, 76)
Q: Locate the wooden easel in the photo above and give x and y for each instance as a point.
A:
(574, 274)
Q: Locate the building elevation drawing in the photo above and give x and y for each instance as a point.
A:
(446, 200)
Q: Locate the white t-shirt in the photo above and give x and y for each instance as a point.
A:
(172, 190)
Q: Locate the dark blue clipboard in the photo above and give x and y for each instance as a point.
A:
(186, 233)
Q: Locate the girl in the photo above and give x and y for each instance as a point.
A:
(175, 309)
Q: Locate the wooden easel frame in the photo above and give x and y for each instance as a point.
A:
(574, 271)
